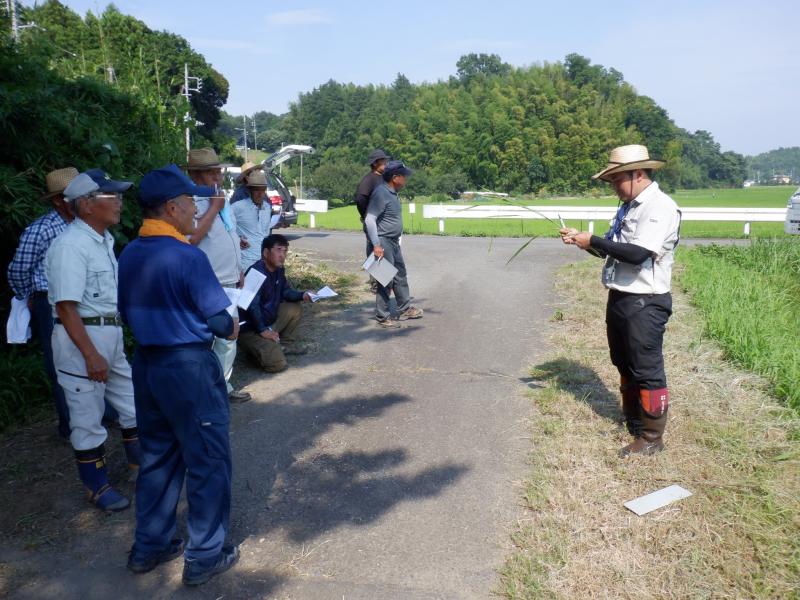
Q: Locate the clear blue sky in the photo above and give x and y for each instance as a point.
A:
(728, 67)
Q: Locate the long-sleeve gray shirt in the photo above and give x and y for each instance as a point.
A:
(384, 214)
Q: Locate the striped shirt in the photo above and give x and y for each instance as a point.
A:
(26, 272)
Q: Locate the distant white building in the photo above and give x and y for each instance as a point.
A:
(780, 179)
(749, 183)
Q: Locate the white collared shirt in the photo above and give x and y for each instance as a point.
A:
(220, 244)
(82, 268)
(252, 222)
(652, 222)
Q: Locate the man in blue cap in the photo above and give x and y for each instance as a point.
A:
(88, 349)
(175, 305)
(384, 225)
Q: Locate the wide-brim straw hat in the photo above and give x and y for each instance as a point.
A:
(628, 158)
(247, 168)
(257, 179)
(201, 159)
(57, 181)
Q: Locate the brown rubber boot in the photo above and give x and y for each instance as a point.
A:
(649, 442)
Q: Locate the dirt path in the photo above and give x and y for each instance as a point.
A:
(381, 466)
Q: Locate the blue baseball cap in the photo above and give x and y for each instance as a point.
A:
(93, 180)
(395, 167)
(167, 183)
(106, 184)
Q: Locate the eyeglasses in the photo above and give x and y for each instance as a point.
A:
(105, 196)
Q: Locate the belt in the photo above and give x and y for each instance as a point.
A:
(189, 346)
(114, 320)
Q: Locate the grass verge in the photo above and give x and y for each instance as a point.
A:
(346, 218)
(728, 441)
(750, 300)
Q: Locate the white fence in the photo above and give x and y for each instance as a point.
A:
(592, 214)
(311, 207)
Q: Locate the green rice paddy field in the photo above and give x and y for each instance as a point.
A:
(346, 218)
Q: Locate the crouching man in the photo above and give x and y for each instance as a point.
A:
(270, 322)
(88, 349)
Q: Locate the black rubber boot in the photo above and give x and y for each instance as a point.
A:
(631, 409)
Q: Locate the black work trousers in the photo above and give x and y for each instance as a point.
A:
(635, 325)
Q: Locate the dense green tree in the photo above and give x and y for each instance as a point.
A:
(544, 128)
(123, 51)
(783, 161)
(471, 65)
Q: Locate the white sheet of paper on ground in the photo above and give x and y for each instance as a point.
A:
(650, 502)
(252, 283)
(324, 292)
(381, 269)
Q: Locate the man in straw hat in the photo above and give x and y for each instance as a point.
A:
(638, 252)
(28, 278)
(241, 180)
(88, 346)
(175, 306)
(253, 217)
(216, 235)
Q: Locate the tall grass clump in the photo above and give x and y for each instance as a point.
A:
(25, 392)
(750, 299)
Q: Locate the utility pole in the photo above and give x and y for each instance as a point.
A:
(243, 129)
(12, 10)
(255, 133)
(187, 93)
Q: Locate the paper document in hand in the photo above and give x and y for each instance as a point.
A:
(252, 283)
(324, 292)
(233, 295)
(381, 269)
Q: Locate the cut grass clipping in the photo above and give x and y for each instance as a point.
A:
(728, 441)
(750, 299)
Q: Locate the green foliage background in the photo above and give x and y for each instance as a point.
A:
(782, 161)
(541, 129)
(59, 107)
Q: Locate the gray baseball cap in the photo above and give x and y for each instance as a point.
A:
(81, 186)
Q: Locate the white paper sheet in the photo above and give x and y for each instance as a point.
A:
(324, 292)
(233, 295)
(18, 329)
(381, 269)
(252, 283)
(650, 502)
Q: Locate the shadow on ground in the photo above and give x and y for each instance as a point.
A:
(305, 489)
(580, 381)
(289, 481)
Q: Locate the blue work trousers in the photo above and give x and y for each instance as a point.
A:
(183, 415)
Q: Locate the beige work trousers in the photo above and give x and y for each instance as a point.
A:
(268, 354)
